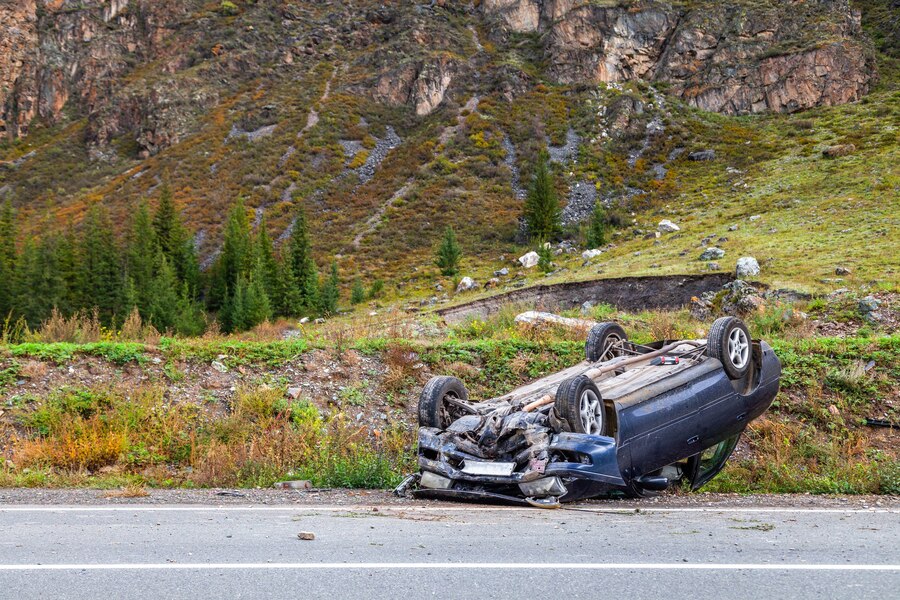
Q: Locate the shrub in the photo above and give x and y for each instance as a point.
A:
(229, 9)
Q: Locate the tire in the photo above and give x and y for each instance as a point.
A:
(600, 337)
(434, 410)
(729, 341)
(579, 406)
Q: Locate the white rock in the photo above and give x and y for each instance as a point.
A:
(667, 226)
(712, 253)
(536, 318)
(219, 367)
(589, 254)
(747, 266)
(756, 217)
(529, 260)
(466, 284)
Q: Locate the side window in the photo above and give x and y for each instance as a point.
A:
(712, 460)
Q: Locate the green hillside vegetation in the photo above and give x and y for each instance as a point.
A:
(817, 212)
(164, 421)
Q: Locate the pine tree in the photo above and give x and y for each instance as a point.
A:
(266, 262)
(7, 258)
(236, 259)
(68, 263)
(190, 320)
(25, 302)
(330, 292)
(542, 213)
(448, 254)
(545, 258)
(232, 313)
(164, 296)
(100, 273)
(38, 286)
(257, 307)
(596, 234)
(142, 260)
(287, 301)
(175, 240)
(357, 292)
(302, 263)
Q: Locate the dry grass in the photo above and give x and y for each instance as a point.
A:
(134, 490)
(404, 367)
(134, 330)
(33, 369)
(136, 432)
(79, 328)
(77, 444)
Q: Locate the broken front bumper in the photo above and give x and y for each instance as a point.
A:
(449, 472)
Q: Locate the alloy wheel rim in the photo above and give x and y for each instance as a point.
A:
(738, 348)
(591, 412)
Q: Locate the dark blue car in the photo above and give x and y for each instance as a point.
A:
(631, 417)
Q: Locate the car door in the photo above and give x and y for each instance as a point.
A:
(704, 466)
(668, 427)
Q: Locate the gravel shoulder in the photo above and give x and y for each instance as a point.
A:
(351, 498)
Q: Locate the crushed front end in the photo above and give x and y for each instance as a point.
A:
(513, 457)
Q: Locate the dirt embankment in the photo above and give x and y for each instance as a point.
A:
(626, 293)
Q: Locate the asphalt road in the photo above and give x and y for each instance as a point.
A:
(452, 551)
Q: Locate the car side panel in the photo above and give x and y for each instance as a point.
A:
(663, 429)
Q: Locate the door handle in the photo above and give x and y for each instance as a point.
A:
(693, 440)
(742, 416)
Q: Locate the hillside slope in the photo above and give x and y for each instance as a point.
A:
(389, 122)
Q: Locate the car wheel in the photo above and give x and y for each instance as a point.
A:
(579, 406)
(729, 341)
(602, 340)
(439, 402)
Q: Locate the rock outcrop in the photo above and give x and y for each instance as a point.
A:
(421, 85)
(59, 54)
(718, 56)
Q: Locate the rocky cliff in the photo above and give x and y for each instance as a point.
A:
(112, 60)
(60, 53)
(731, 57)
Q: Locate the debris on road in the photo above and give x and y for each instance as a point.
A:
(306, 536)
(298, 484)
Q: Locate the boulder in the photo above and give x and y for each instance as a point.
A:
(502, 272)
(537, 318)
(712, 253)
(868, 308)
(702, 155)
(466, 284)
(529, 260)
(747, 267)
(589, 254)
(667, 226)
(842, 271)
(838, 150)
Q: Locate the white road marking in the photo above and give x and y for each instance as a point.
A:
(450, 565)
(390, 508)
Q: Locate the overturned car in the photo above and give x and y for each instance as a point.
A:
(633, 418)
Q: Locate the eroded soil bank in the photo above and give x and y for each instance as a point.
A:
(626, 293)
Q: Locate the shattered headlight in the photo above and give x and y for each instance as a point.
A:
(435, 481)
(545, 486)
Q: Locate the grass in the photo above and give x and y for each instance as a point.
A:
(134, 435)
(121, 435)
